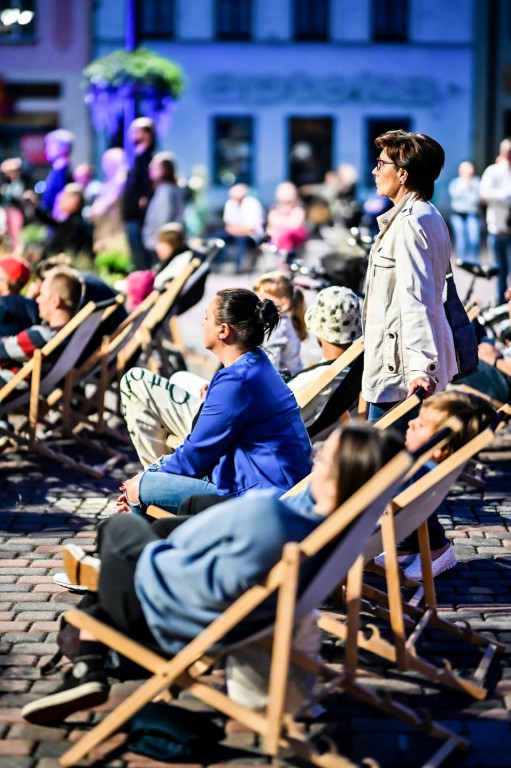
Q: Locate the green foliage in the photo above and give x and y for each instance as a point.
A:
(33, 234)
(136, 69)
(111, 263)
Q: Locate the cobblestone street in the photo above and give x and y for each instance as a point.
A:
(45, 506)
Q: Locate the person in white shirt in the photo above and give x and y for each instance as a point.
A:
(495, 192)
(243, 220)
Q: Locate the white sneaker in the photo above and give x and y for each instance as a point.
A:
(81, 568)
(63, 580)
(402, 560)
(443, 562)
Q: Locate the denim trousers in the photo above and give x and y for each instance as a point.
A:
(167, 490)
(500, 245)
(490, 381)
(140, 256)
(467, 234)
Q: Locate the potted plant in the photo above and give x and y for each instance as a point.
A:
(154, 82)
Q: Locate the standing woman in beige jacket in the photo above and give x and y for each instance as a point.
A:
(408, 341)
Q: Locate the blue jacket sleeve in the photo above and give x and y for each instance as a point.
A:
(224, 413)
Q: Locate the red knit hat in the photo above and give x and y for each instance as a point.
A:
(16, 270)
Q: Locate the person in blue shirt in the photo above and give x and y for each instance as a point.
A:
(248, 433)
(165, 591)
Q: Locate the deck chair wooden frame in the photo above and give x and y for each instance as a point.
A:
(330, 372)
(344, 397)
(43, 394)
(117, 354)
(169, 340)
(407, 512)
(347, 531)
(401, 409)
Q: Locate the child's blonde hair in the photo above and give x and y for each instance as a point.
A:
(475, 414)
(278, 286)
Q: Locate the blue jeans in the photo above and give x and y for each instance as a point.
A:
(467, 232)
(490, 381)
(140, 256)
(501, 247)
(167, 490)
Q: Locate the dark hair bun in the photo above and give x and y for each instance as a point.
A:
(250, 319)
(268, 313)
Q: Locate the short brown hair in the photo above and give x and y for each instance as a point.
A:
(475, 414)
(420, 155)
(69, 285)
(44, 266)
(173, 234)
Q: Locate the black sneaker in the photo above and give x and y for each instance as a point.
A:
(85, 685)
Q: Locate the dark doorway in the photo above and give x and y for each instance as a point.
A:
(309, 149)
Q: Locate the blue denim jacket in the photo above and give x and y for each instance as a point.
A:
(249, 432)
(187, 580)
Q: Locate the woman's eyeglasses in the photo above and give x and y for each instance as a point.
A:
(380, 162)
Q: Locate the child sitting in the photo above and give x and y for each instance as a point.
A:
(173, 255)
(283, 347)
(475, 414)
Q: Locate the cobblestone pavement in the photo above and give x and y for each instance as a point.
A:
(43, 506)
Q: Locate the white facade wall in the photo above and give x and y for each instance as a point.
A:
(350, 79)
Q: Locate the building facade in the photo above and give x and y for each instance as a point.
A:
(287, 89)
(276, 89)
(41, 67)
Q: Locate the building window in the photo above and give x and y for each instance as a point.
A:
(233, 147)
(309, 149)
(17, 20)
(155, 19)
(234, 19)
(390, 21)
(374, 128)
(311, 19)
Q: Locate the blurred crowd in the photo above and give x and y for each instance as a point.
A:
(111, 218)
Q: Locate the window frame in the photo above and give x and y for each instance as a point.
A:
(224, 8)
(156, 32)
(247, 177)
(384, 15)
(304, 8)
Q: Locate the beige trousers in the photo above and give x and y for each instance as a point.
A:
(155, 407)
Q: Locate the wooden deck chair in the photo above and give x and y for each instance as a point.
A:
(338, 541)
(119, 352)
(408, 512)
(472, 391)
(169, 341)
(43, 394)
(401, 409)
(330, 372)
(342, 399)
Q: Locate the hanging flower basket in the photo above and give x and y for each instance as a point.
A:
(154, 82)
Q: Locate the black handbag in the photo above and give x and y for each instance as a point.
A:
(463, 332)
(169, 733)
